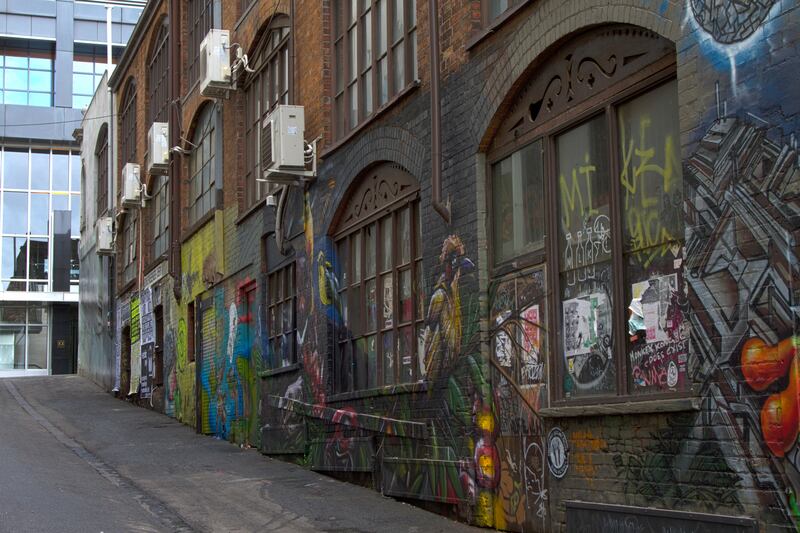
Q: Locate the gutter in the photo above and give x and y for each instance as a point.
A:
(443, 208)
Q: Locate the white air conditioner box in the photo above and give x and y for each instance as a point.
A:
(215, 64)
(282, 139)
(104, 236)
(158, 149)
(131, 185)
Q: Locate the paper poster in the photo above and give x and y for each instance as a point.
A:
(530, 329)
(503, 349)
(577, 332)
(148, 334)
(656, 301)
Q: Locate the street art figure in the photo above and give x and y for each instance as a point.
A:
(444, 327)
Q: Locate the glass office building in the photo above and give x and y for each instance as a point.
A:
(52, 56)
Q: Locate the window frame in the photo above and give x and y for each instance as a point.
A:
(159, 242)
(407, 199)
(206, 130)
(158, 75)
(128, 124)
(267, 54)
(486, 18)
(28, 49)
(342, 24)
(201, 18)
(130, 251)
(286, 275)
(605, 103)
(101, 155)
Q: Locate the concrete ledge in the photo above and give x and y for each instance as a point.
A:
(670, 405)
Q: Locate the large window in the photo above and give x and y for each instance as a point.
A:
(375, 56)
(35, 182)
(88, 66)
(128, 125)
(27, 72)
(374, 284)
(157, 76)
(160, 215)
(267, 88)
(130, 248)
(201, 20)
(281, 319)
(101, 152)
(23, 337)
(611, 195)
(494, 8)
(203, 165)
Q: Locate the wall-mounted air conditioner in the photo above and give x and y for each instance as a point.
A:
(105, 236)
(131, 185)
(158, 148)
(215, 64)
(282, 139)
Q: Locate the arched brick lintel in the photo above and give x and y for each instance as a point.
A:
(551, 22)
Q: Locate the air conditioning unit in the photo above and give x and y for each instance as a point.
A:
(158, 149)
(282, 139)
(131, 185)
(105, 236)
(215, 64)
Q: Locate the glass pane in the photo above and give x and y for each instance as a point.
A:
(388, 358)
(412, 39)
(40, 214)
(60, 202)
(518, 203)
(399, 67)
(367, 22)
(16, 97)
(41, 63)
(12, 315)
(345, 367)
(83, 66)
(79, 102)
(37, 347)
(37, 315)
(372, 364)
(40, 99)
(15, 212)
(406, 301)
(496, 7)
(16, 80)
(41, 81)
(352, 36)
(12, 347)
(75, 219)
(60, 171)
(381, 29)
(16, 61)
(361, 358)
(356, 261)
(372, 305)
(420, 291)
(405, 353)
(40, 170)
(353, 105)
(404, 235)
(387, 288)
(387, 241)
(367, 81)
(383, 81)
(76, 172)
(370, 258)
(15, 169)
(339, 71)
(83, 84)
(15, 259)
(38, 265)
(585, 266)
(355, 308)
(397, 20)
(651, 181)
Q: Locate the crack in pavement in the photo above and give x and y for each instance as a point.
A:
(171, 520)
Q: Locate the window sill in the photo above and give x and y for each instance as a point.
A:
(250, 210)
(152, 265)
(388, 390)
(380, 112)
(495, 24)
(197, 226)
(278, 371)
(669, 405)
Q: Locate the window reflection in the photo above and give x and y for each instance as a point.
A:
(27, 72)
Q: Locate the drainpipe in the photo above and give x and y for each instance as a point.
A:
(174, 119)
(436, 115)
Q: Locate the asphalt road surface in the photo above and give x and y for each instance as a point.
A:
(72, 458)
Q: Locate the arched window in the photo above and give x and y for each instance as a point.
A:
(203, 165)
(374, 286)
(157, 71)
(201, 20)
(589, 154)
(160, 217)
(127, 120)
(269, 86)
(101, 153)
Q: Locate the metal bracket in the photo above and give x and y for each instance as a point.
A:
(297, 178)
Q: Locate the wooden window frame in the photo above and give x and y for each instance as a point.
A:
(200, 20)
(354, 231)
(158, 75)
(101, 155)
(282, 293)
(206, 131)
(160, 218)
(605, 102)
(128, 125)
(130, 242)
(273, 66)
(367, 72)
